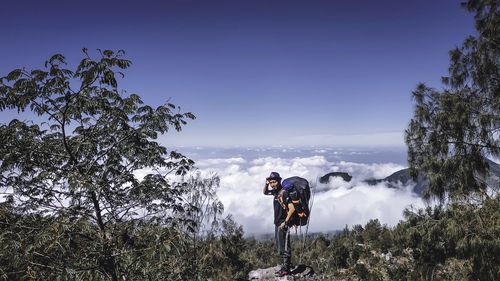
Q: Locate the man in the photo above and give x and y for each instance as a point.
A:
(283, 211)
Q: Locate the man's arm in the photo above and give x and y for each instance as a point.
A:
(291, 209)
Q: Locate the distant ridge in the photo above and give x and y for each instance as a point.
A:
(402, 178)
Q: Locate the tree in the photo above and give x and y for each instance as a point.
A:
(227, 251)
(205, 209)
(78, 160)
(200, 194)
(454, 130)
(452, 136)
(372, 230)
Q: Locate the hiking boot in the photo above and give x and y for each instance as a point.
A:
(282, 272)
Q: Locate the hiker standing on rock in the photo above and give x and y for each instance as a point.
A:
(283, 211)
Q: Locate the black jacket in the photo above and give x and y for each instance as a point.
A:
(279, 212)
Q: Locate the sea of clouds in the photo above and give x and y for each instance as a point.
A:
(335, 204)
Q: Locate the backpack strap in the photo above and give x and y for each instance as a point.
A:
(280, 199)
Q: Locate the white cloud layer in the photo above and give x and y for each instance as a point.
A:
(338, 204)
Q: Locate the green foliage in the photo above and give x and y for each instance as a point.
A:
(453, 130)
(459, 242)
(48, 248)
(200, 194)
(450, 137)
(462, 231)
(224, 255)
(72, 172)
(76, 208)
(372, 230)
(260, 254)
(91, 194)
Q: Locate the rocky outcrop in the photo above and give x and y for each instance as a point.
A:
(301, 272)
(326, 178)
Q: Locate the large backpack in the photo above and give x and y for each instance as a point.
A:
(299, 191)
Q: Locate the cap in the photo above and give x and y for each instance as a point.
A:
(274, 176)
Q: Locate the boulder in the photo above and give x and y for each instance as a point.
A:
(301, 272)
(326, 178)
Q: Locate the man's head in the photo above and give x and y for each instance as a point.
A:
(274, 180)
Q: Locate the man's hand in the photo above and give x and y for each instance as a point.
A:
(266, 188)
(283, 226)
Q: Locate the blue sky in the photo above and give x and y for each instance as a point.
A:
(256, 72)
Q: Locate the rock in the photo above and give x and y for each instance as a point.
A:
(301, 272)
(326, 178)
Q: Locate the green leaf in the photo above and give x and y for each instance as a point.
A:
(14, 75)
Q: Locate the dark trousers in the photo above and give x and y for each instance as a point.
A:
(283, 245)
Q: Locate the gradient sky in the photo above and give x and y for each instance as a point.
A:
(256, 72)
